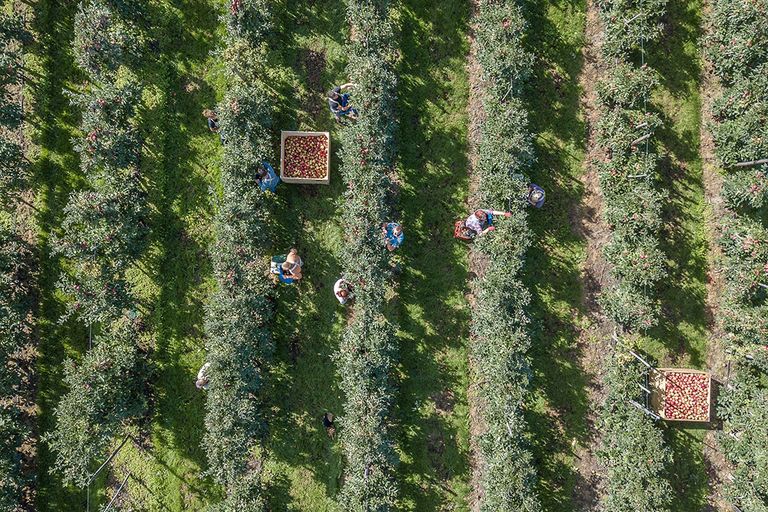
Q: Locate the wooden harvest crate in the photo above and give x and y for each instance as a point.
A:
(304, 181)
(658, 385)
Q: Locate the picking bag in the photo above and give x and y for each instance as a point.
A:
(462, 232)
(276, 262)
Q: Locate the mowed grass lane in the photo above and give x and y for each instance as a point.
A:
(432, 408)
(557, 412)
(303, 466)
(681, 338)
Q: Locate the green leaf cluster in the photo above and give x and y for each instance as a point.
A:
(14, 168)
(627, 163)
(16, 324)
(737, 48)
(632, 448)
(499, 338)
(239, 343)
(368, 347)
(16, 274)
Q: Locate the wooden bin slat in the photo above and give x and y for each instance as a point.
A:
(304, 181)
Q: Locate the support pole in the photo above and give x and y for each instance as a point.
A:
(641, 359)
(112, 456)
(641, 139)
(646, 410)
(750, 163)
(117, 494)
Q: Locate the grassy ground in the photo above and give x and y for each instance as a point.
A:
(304, 466)
(557, 414)
(432, 408)
(173, 280)
(681, 338)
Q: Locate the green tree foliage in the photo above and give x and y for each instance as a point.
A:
(239, 342)
(15, 302)
(13, 30)
(743, 407)
(737, 47)
(111, 145)
(14, 171)
(15, 331)
(628, 163)
(12, 481)
(104, 226)
(13, 166)
(738, 39)
(626, 23)
(105, 392)
(499, 328)
(104, 40)
(16, 275)
(103, 231)
(368, 346)
(632, 448)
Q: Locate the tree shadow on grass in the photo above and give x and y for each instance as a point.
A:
(684, 322)
(306, 60)
(682, 335)
(432, 406)
(179, 157)
(676, 55)
(557, 414)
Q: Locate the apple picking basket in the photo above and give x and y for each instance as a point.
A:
(304, 181)
(658, 383)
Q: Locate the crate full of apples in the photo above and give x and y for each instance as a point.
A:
(305, 157)
(684, 395)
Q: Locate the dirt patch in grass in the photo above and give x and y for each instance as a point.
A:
(444, 401)
(593, 342)
(313, 64)
(716, 464)
(477, 264)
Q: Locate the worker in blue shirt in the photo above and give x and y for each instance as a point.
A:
(393, 235)
(338, 102)
(267, 177)
(535, 195)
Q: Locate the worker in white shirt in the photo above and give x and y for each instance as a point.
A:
(203, 382)
(481, 221)
(342, 290)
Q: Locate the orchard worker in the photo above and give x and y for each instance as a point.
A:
(203, 382)
(338, 102)
(330, 428)
(393, 235)
(535, 195)
(481, 221)
(293, 264)
(342, 290)
(267, 177)
(287, 267)
(213, 122)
